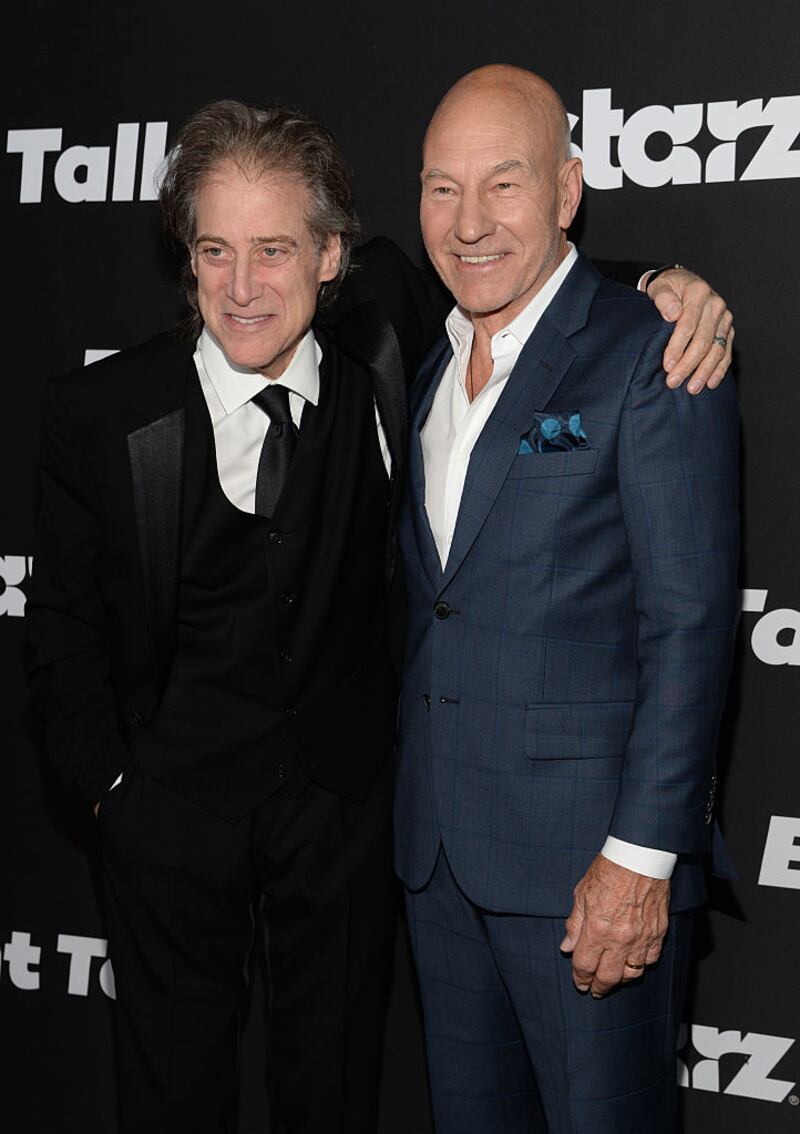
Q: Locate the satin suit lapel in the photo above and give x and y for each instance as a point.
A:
(156, 456)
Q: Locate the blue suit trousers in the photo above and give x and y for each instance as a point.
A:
(514, 1048)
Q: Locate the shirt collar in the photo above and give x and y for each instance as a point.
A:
(459, 325)
(236, 385)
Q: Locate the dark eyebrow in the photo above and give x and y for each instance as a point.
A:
(211, 239)
(279, 239)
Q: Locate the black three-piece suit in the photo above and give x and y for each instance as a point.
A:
(239, 672)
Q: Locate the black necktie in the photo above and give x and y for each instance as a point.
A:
(277, 450)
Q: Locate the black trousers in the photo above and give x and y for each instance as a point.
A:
(182, 890)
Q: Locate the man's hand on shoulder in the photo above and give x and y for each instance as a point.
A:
(701, 344)
(616, 926)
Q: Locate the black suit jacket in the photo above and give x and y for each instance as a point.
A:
(102, 612)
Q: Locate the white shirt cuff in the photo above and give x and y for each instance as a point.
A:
(643, 860)
(643, 278)
(116, 782)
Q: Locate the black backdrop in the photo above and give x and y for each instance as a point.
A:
(711, 179)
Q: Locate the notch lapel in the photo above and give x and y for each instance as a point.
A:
(541, 366)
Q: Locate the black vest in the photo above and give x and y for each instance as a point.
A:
(280, 649)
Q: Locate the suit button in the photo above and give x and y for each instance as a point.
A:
(280, 771)
(134, 719)
(293, 710)
(287, 598)
(275, 537)
(426, 700)
(442, 609)
(285, 656)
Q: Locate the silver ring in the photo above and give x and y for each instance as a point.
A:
(721, 339)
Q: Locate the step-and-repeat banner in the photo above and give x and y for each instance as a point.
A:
(687, 115)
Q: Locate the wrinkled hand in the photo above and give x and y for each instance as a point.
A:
(617, 916)
(699, 314)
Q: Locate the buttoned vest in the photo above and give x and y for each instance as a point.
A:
(280, 651)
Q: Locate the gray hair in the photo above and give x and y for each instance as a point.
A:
(567, 135)
(259, 141)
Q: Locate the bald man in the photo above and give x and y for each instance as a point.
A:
(570, 538)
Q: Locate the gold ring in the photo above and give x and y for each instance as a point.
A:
(631, 965)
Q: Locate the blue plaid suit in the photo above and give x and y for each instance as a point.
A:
(566, 672)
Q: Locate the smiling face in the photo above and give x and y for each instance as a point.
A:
(257, 265)
(498, 194)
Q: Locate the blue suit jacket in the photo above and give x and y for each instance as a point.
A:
(574, 687)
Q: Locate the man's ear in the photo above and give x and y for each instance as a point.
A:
(330, 258)
(192, 259)
(570, 191)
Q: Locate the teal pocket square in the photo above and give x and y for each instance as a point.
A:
(554, 433)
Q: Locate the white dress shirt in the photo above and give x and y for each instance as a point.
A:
(239, 425)
(448, 437)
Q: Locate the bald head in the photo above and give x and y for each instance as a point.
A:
(524, 96)
(499, 190)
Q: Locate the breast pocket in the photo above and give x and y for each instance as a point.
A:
(575, 463)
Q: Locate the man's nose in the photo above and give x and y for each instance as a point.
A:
(243, 286)
(473, 220)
